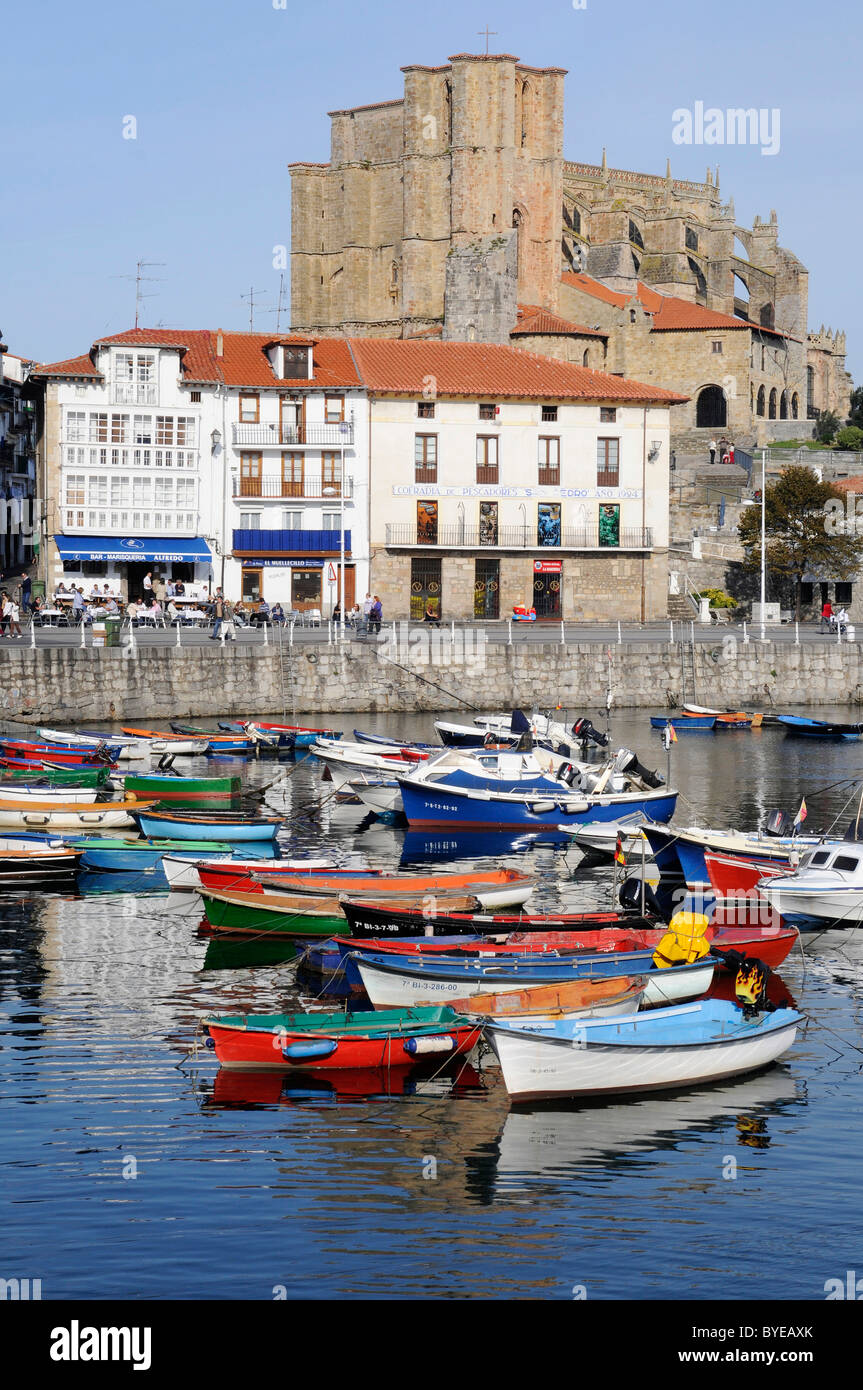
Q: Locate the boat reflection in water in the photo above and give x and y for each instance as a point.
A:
(420, 845)
(128, 881)
(222, 954)
(243, 1090)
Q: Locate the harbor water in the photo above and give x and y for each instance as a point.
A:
(131, 1168)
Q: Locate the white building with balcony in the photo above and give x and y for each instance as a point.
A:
(17, 463)
(222, 459)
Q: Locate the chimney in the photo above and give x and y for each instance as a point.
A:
(220, 344)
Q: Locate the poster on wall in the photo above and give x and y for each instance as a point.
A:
(548, 523)
(609, 524)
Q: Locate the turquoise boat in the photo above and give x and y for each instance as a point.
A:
(104, 854)
(206, 825)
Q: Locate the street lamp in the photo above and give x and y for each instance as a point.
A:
(763, 557)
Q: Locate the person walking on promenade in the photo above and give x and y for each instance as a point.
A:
(827, 615)
(712, 447)
(218, 615)
(375, 615)
(26, 589)
(367, 608)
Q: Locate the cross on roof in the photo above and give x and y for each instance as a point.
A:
(487, 33)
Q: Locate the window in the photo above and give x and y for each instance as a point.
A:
(97, 491)
(164, 492)
(608, 414)
(293, 470)
(334, 409)
(331, 474)
(250, 521)
(548, 459)
(121, 491)
(295, 363)
(607, 462)
(691, 239)
(760, 402)
(250, 407)
(143, 429)
(195, 397)
(843, 593)
(486, 458)
(425, 458)
(75, 490)
(185, 492)
(488, 523)
(119, 429)
(845, 861)
(716, 347)
(292, 521)
(250, 475)
(98, 428)
(74, 518)
(142, 493)
(330, 521)
(426, 523)
(549, 413)
(486, 589)
(306, 588)
(548, 523)
(488, 411)
(425, 410)
(425, 587)
(76, 429)
(164, 429)
(186, 431)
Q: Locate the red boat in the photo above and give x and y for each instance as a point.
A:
(494, 882)
(732, 875)
(769, 944)
(17, 753)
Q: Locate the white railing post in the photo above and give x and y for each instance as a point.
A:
(619, 636)
(509, 638)
(671, 631)
(291, 636)
(178, 642)
(83, 634)
(745, 635)
(562, 634)
(797, 634)
(32, 634)
(266, 636)
(452, 633)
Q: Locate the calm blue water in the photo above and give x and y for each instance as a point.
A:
(129, 1169)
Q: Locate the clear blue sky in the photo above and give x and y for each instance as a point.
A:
(227, 93)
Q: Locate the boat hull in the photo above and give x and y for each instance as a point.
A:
(185, 791)
(175, 828)
(433, 806)
(225, 913)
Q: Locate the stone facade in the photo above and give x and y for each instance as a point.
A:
(828, 384)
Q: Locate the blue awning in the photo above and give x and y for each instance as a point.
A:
(147, 548)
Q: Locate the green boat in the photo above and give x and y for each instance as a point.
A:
(205, 792)
(254, 914)
(58, 777)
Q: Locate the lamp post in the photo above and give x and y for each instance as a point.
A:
(763, 557)
(331, 492)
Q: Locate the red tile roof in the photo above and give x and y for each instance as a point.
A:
(393, 366)
(854, 484)
(670, 313)
(243, 361)
(533, 319)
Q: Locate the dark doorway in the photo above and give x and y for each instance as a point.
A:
(546, 588)
(711, 410)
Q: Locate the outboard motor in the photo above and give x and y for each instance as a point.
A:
(629, 897)
(584, 731)
(626, 761)
(778, 824)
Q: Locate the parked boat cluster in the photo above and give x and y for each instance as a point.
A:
(674, 987)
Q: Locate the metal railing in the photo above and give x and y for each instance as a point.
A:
(311, 488)
(514, 538)
(336, 436)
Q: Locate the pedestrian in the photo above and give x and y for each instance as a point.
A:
(14, 619)
(148, 586)
(218, 615)
(376, 613)
(731, 453)
(712, 447)
(827, 615)
(431, 616)
(26, 588)
(230, 630)
(77, 604)
(367, 608)
(842, 620)
(4, 613)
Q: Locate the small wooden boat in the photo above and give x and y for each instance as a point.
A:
(181, 869)
(43, 776)
(689, 1045)
(68, 756)
(370, 916)
(289, 914)
(53, 815)
(128, 750)
(589, 998)
(500, 887)
(391, 980)
(118, 854)
(184, 791)
(206, 825)
(161, 743)
(35, 859)
(297, 735)
(701, 723)
(392, 1038)
(725, 716)
(25, 791)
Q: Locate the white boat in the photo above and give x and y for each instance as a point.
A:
(396, 982)
(379, 794)
(601, 837)
(688, 1045)
(111, 818)
(826, 890)
(188, 747)
(181, 870)
(131, 749)
(79, 795)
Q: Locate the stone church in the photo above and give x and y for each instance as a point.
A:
(452, 212)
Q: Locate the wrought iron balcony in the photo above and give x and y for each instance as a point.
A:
(260, 542)
(513, 538)
(314, 489)
(275, 436)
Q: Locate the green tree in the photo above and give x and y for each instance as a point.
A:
(805, 528)
(855, 415)
(826, 426)
(851, 437)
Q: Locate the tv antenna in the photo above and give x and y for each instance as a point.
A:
(280, 303)
(251, 298)
(140, 279)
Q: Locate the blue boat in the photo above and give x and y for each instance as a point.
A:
(798, 727)
(695, 723)
(121, 856)
(203, 825)
(430, 805)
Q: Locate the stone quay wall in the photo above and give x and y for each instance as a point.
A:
(418, 671)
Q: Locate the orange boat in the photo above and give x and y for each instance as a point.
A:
(615, 996)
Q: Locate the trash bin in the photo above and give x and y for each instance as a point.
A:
(112, 631)
(98, 634)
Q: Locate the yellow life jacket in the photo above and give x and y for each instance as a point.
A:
(684, 942)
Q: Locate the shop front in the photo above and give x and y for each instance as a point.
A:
(118, 565)
(546, 588)
(305, 586)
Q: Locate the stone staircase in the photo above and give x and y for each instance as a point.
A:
(680, 610)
